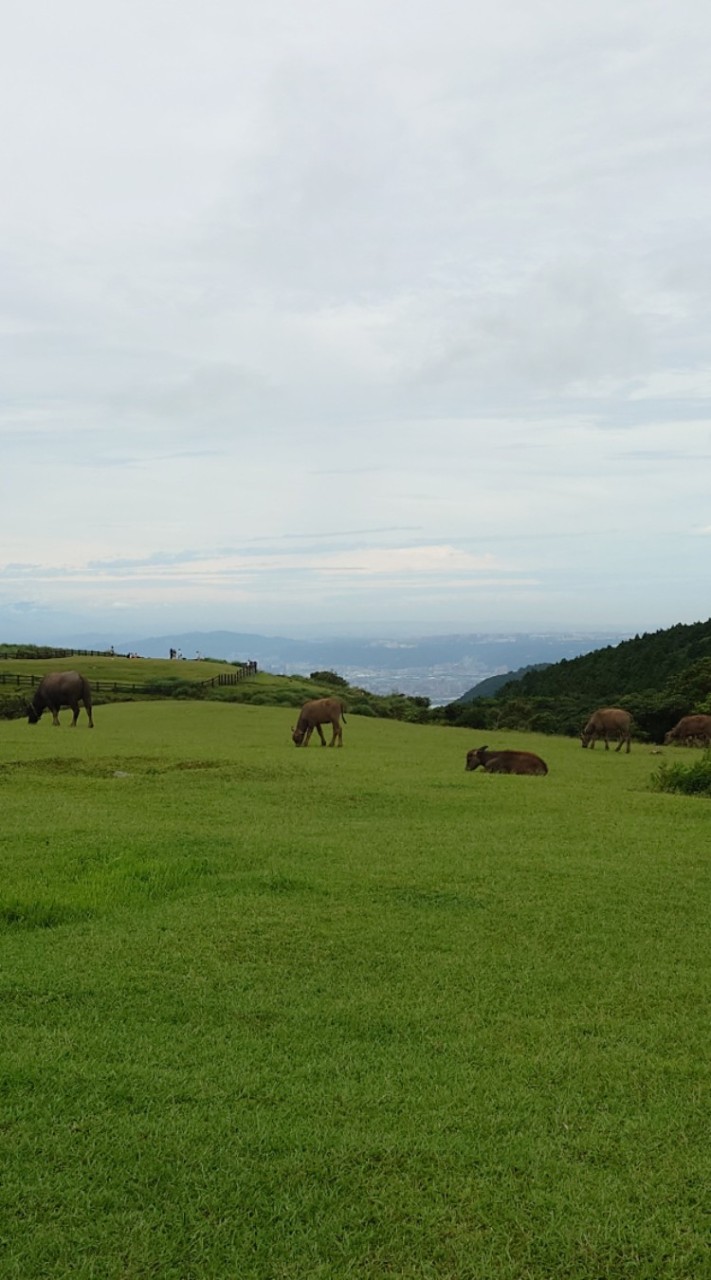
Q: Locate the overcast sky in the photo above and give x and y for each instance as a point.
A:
(339, 316)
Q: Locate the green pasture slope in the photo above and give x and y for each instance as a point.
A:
(272, 1014)
(120, 668)
(134, 676)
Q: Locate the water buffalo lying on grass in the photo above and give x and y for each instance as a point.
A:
(61, 689)
(690, 729)
(607, 722)
(313, 715)
(505, 761)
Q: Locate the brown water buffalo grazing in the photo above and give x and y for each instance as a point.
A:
(505, 761)
(61, 689)
(606, 723)
(690, 729)
(313, 715)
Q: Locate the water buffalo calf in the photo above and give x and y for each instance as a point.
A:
(61, 689)
(313, 715)
(689, 729)
(608, 722)
(505, 761)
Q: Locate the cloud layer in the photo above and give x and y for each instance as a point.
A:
(437, 274)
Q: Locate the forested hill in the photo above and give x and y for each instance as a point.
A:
(489, 687)
(657, 677)
(648, 662)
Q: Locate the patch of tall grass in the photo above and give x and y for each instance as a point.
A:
(685, 779)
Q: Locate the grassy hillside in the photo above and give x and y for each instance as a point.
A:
(133, 679)
(97, 667)
(358, 1013)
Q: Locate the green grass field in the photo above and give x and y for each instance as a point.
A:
(103, 672)
(272, 1014)
(118, 668)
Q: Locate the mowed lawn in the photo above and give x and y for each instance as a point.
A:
(273, 1013)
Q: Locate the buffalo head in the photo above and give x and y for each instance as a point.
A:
(475, 758)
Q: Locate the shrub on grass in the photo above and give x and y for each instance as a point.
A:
(688, 780)
(189, 690)
(174, 687)
(330, 678)
(13, 705)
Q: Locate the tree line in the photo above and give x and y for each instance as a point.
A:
(658, 677)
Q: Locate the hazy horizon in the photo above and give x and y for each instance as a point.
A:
(69, 633)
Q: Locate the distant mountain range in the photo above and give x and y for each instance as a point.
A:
(441, 668)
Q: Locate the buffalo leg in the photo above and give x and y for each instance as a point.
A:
(319, 730)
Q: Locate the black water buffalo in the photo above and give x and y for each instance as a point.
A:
(607, 722)
(313, 715)
(61, 689)
(505, 761)
(690, 729)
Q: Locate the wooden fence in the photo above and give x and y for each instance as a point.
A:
(115, 686)
(45, 653)
(232, 677)
(127, 686)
